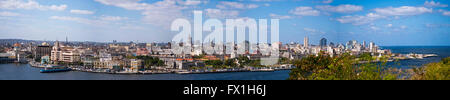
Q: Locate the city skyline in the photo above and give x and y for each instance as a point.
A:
(386, 22)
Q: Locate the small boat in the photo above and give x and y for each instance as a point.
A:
(183, 72)
(263, 70)
(55, 69)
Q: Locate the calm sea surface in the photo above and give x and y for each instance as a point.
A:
(25, 72)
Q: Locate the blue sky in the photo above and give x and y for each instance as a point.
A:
(385, 22)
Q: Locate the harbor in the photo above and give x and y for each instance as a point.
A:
(27, 72)
(52, 68)
(47, 69)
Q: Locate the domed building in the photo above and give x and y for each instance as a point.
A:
(45, 44)
(17, 45)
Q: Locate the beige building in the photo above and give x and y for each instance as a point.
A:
(136, 64)
(105, 64)
(61, 53)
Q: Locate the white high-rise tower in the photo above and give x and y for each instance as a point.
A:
(305, 41)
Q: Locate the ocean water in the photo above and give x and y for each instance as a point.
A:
(25, 72)
(441, 51)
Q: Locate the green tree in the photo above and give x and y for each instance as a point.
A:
(149, 61)
(366, 57)
(342, 67)
(214, 63)
(433, 71)
(230, 63)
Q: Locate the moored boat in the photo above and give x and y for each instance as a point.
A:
(263, 70)
(55, 69)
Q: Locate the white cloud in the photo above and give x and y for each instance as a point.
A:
(251, 6)
(341, 8)
(9, 14)
(68, 18)
(85, 12)
(192, 2)
(127, 4)
(264, 0)
(235, 5)
(381, 13)
(310, 30)
(280, 16)
(112, 18)
(29, 5)
(389, 25)
(218, 13)
(160, 13)
(102, 21)
(374, 28)
(437, 25)
(444, 12)
(327, 1)
(131, 27)
(403, 11)
(434, 4)
(360, 20)
(305, 11)
(403, 27)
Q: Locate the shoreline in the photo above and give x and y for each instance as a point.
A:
(207, 71)
(174, 71)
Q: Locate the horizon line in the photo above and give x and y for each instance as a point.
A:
(168, 41)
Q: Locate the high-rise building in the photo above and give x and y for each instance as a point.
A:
(42, 50)
(371, 46)
(323, 42)
(305, 41)
(364, 45)
(61, 53)
(189, 42)
(56, 52)
(332, 44)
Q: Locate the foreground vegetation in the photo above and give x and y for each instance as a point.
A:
(433, 71)
(347, 67)
(238, 62)
(148, 61)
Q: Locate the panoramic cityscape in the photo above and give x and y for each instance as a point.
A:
(157, 58)
(244, 40)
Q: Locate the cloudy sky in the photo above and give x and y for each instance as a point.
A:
(385, 22)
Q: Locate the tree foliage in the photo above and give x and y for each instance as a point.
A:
(433, 71)
(342, 67)
(149, 61)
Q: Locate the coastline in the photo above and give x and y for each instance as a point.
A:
(173, 71)
(26, 72)
(229, 70)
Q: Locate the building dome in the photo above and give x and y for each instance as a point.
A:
(45, 44)
(17, 45)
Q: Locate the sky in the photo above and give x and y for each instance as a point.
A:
(385, 22)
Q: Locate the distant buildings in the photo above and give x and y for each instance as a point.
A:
(105, 64)
(142, 52)
(372, 47)
(305, 41)
(42, 50)
(323, 42)
(66, 54)
(122, 56)
(45, 60)
(136, 64)
(6, 58)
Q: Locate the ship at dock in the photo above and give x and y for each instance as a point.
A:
(53, 69)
